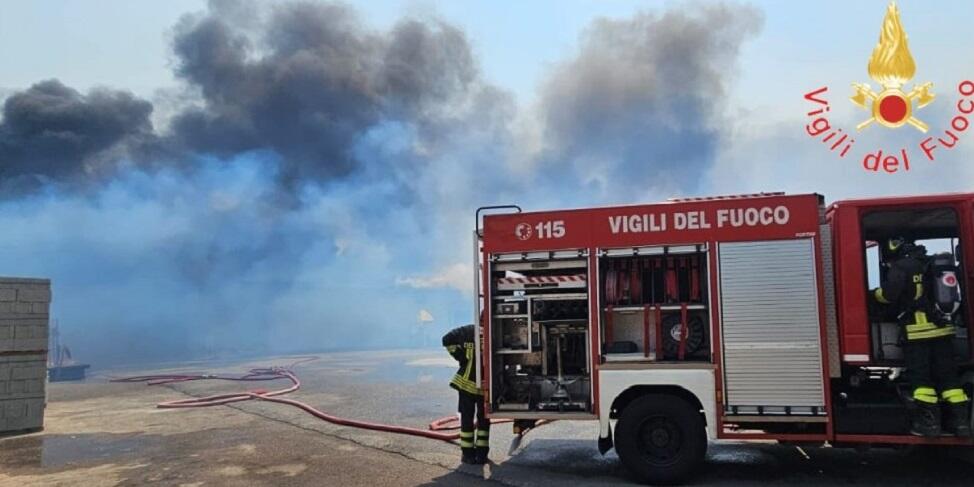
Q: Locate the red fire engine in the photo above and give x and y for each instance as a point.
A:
(740, 317)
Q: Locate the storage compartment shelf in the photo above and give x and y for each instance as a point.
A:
(652, 307)
(630, 357)
(548, 297)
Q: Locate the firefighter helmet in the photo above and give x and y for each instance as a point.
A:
(897, 246)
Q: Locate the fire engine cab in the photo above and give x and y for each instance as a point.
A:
(741, 317)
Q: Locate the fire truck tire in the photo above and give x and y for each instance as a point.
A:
(661, 439)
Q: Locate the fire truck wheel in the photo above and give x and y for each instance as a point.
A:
(661, 438)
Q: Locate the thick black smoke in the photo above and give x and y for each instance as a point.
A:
(50, 132)
(309, 80)
(303, 81)
(641, 105)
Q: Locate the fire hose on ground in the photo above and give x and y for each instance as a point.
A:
(438, 429)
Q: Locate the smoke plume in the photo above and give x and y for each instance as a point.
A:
(317, 183)
(309, 81)
(641, 104)
(52, 133)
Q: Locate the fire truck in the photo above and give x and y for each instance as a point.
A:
(743, 317)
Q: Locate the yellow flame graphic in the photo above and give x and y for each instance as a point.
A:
(891, 64)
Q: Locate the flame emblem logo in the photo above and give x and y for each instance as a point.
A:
(892, 66)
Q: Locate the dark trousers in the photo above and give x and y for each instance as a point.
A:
(471, 407)
(930, 364)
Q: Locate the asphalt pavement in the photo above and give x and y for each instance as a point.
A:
(111, 434)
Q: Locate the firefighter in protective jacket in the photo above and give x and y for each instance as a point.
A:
(929, 355)
(460, 343)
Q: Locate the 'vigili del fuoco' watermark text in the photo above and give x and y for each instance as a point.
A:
(892, 67)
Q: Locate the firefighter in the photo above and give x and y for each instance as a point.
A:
(474, 443)
(929, 354)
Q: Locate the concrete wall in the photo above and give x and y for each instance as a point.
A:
(24, 315)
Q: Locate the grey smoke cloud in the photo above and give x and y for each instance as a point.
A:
(310, 79)
(50, 132)
(382, 142)
(642, 101)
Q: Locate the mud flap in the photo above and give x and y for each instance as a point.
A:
(605, 443)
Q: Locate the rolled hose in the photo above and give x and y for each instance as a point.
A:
(437, 430)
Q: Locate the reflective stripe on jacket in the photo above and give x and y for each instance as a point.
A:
(459, 342)
(903, 289)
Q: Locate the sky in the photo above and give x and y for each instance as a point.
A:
(125, 43)
(213, 178)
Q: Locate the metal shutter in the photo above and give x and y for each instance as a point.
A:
(771, 334)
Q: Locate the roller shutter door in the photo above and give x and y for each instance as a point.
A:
(770, 328)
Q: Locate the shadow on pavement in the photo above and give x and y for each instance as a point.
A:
(466, 475)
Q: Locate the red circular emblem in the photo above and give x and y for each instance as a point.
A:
(522, 231)
(950, 280)
(893, 108)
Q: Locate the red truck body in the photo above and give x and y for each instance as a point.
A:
(528, 247)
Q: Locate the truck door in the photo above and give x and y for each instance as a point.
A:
(937, 228)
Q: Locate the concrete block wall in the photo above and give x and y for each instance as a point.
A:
(22, 379)
(24, 317)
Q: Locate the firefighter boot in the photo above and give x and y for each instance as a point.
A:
(480, 456)
(468, 456)
(958, 420)
(925, 419)
(483, 446)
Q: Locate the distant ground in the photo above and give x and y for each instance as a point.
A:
(99, 433)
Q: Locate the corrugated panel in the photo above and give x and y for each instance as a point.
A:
(831, 321)
(769, 310)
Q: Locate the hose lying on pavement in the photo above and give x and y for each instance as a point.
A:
(437, 429)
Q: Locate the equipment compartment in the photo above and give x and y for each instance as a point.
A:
(540, 333)
(655, 303)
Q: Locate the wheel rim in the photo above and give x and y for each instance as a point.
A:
(660, 440)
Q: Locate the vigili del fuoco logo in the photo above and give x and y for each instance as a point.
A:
(892, 106)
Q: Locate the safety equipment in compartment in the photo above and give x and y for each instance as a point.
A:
(672, 283)
(623, 277)
(541, 282)
(560, 309)
(662, 279)
(514, 308)
(611, 284)
(945, 297)
(635, 283)
(673, 329)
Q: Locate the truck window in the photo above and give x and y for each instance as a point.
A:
(872, 264)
